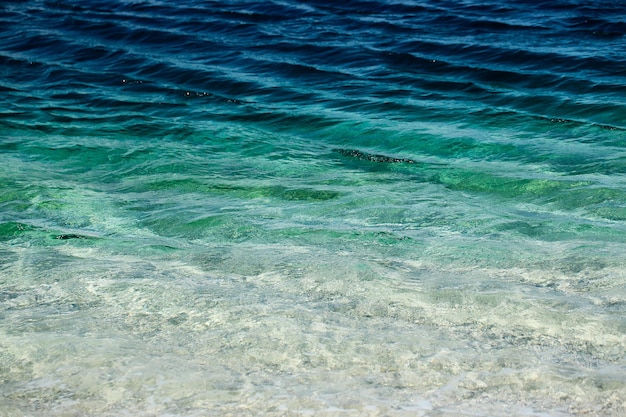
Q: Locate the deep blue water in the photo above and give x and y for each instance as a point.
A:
(328, 208)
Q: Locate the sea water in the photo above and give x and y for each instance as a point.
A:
(355, 208)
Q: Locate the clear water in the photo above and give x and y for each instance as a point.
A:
(312, 208)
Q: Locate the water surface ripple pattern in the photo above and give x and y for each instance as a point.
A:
(365, 207)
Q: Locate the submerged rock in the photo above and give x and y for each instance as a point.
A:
(364, 156)
(70, 236)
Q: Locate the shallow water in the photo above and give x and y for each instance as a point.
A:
(305, 208)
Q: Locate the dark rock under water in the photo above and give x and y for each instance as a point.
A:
(70, 236)
(364, 156)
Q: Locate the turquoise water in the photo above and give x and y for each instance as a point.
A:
(306, 208)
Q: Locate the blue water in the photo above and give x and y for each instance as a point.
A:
(356, 208)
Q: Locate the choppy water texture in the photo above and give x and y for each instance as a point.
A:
(402, 208)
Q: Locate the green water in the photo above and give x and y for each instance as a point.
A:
(230, 268)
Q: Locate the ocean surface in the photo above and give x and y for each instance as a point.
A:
(312, 208)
